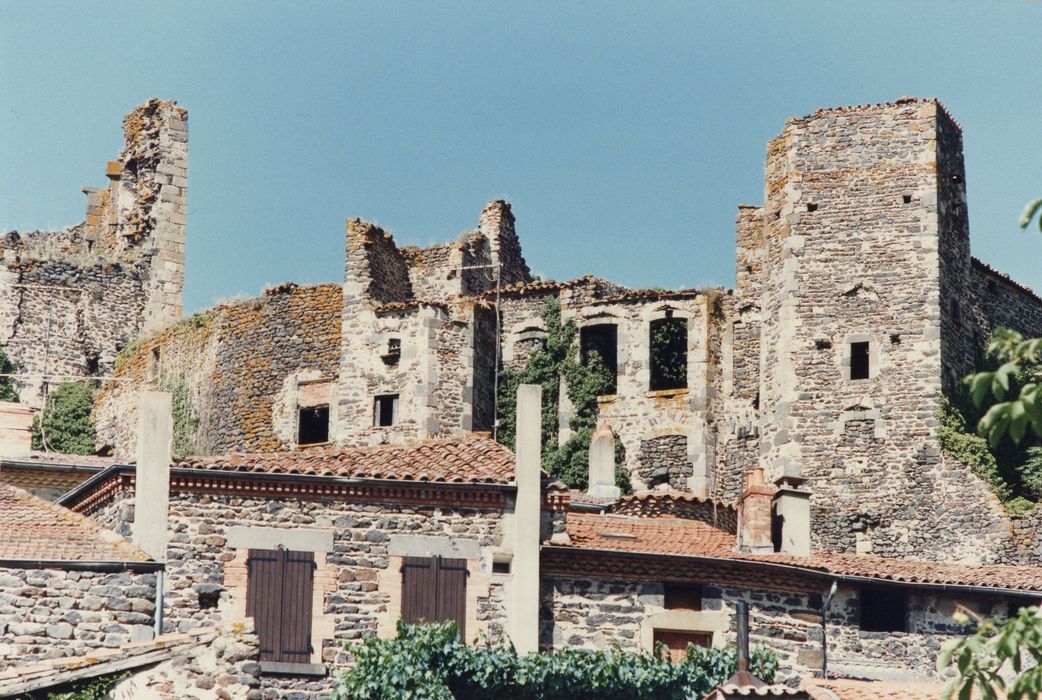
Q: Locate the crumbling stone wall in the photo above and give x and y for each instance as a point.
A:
(663, 460)
(70, 300)
(235, 360)
(600, 613)
(48, 613)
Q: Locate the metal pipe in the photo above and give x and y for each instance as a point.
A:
(159, 604)
(95, 566)
(742, 620)
(824, 629)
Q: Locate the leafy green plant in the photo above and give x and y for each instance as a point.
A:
(1015, 644)
(560, 359)
(186, 423)
(66, 425)
(98, 688)
(7, 388)
(970, 449)
(431, 662)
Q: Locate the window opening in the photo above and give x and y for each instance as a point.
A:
(501, 567)
(859, 368)
(598, 346)
(278, 598)
(812, 207)
(312, 425)
(385, 410)
(394, 351)
(153, 365)
(676, 642)
(668, 353)
(682, 597)
(907, 198)
(883, 610)
(956, 313)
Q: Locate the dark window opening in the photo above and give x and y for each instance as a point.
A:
(749, 268)
(312, 425)
(756, 401)
(895, 338)
(669, 354)
(1015, 605)
(883, 610)
(501, 567)
(93, 365)
(777, 215)
(812, 207)
(859, 368)
(394, 351)
(278, 598)
(822, 343)
(682, 597)
(907, 198)
(434, 589)
(956, 314)
(598, 346)
(385, 410)
(208, 600)
(153, 364)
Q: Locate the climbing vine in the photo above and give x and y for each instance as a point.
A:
(66, 426)
(186, 423)
(7, 388)
(558, 359)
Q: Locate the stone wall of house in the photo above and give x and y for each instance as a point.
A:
(70, 300)
(241, 363)
(597, 614)
(48, 613)
(201, 591)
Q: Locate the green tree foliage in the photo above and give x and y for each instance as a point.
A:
(66, 426)
(430, 662)
(1030, 210)
(669, 354)
(560, 359)
(970, 449)
(1015, 644)
(7, 389)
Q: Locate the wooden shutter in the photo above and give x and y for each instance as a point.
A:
(435, 590)
(278, 597)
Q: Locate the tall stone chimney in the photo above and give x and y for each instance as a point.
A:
(792, 513)
(602, 464)
(497, 224)
(152, 474)
(524, 613)
(754, 514)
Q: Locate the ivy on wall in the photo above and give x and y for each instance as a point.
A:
(559, 359)
(7, 389)
(65, 425)
(186, 423)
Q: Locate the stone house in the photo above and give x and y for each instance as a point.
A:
(67, 585)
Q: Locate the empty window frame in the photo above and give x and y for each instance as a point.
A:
(385, 410)
(668, 341)
(598, 345)
(312, 425)
(883, 610)
(859, 360)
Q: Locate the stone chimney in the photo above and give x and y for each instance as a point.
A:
(754, 514)
(497, 224)
(16, 429)
(602, 464)
(528, 512)
(792, 514)
(152, 474)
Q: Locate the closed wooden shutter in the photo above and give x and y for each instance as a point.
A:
(435, 590)
(278, 597)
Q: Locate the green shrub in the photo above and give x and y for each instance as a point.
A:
(186, 423)
(7, 388)
(430, 662)
(66, 426)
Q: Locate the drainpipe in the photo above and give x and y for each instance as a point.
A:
(152, 483)
(825, 629)
(743, 678)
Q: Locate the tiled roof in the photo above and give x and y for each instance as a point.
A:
(681, 537)
(679, 503)
(731, 691)
(847, 689)
(465, 459)
(34, 529)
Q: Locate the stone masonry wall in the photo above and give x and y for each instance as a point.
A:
(596, 613)
(49, 613)
(71, 299)
(240, 361)
(199, 560)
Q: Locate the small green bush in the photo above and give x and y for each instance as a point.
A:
(430, 662)
(7, 388)
(66, 426)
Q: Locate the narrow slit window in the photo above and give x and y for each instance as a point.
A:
(394, 351)
(385, 411)
(812, 207)
(312, 425)
(599, 348)
(668, 354)
(859, 366)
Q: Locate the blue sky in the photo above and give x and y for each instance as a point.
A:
(625, 135)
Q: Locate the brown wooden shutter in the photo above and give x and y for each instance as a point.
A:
(435, 590)
(278, 597)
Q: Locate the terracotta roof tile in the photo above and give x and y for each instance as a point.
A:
(683, 537)
(34, 529)
(847, 689)
(465, 459)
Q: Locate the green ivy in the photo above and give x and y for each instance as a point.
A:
(669, 354)
(66, 426)
(560, 359)
(7, 389)
(186, 423)
(430, 662)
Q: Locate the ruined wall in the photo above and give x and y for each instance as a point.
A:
(47, 613)
(992, 300)
(598, 613)
(241, 363)
(71, 299)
